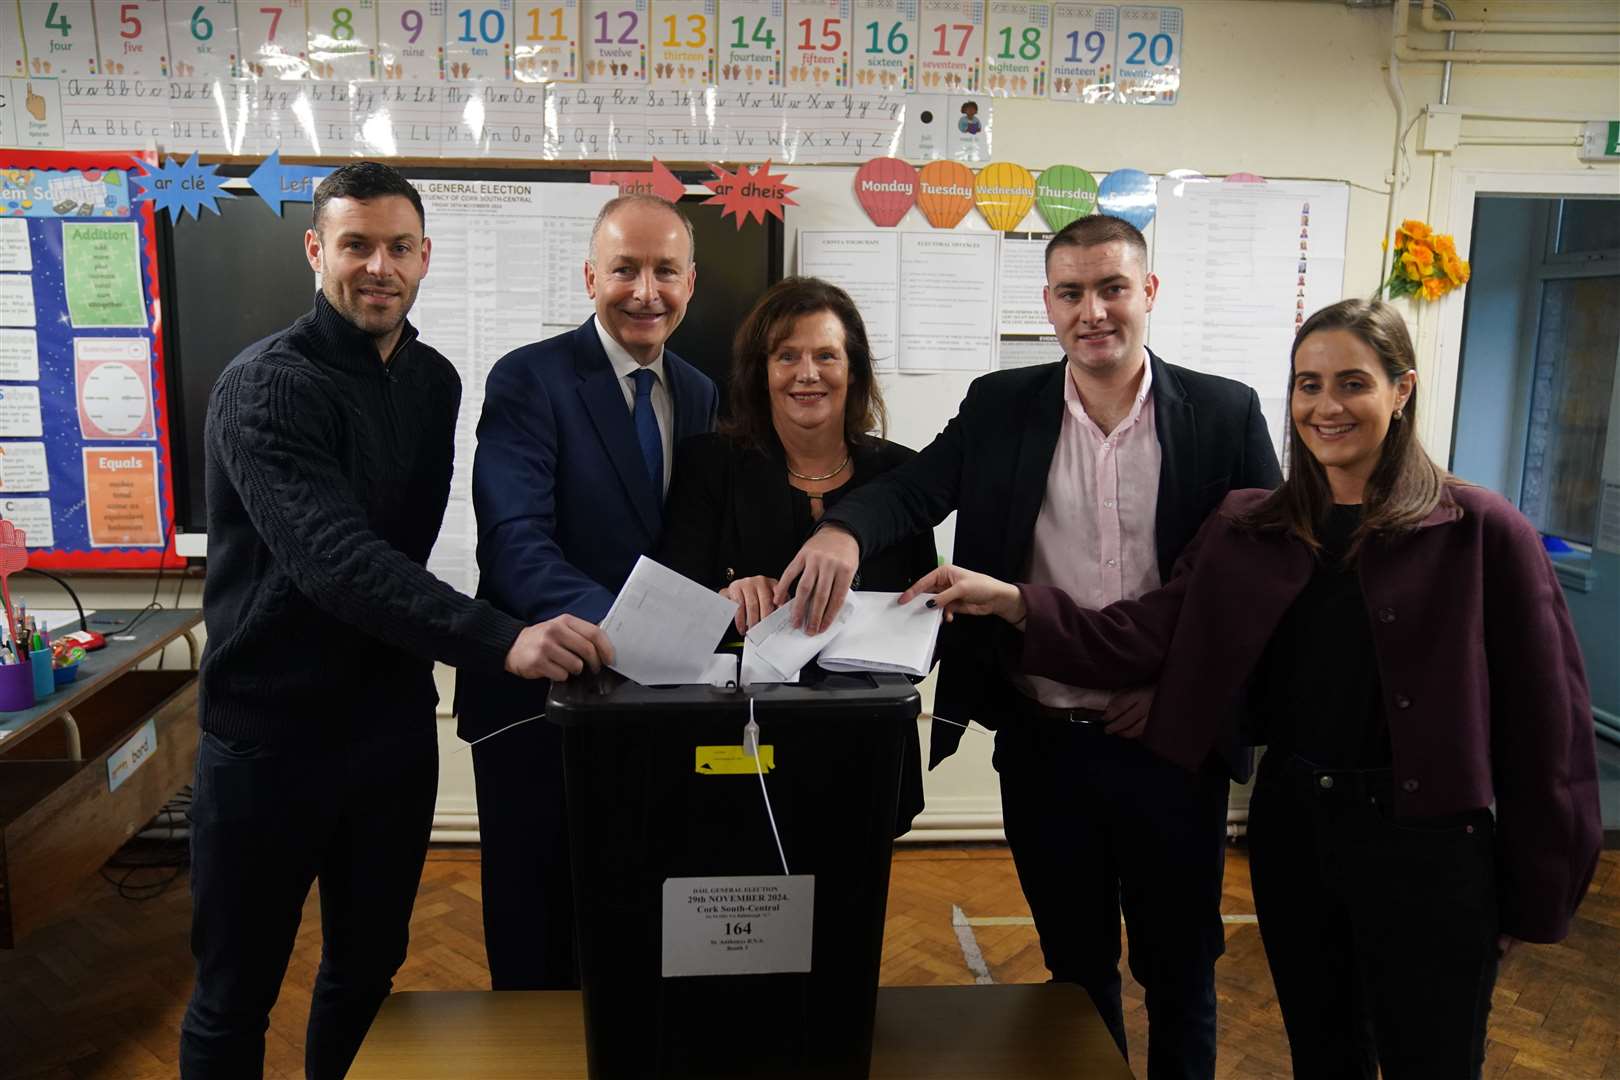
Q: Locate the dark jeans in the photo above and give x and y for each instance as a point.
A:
(266, 822)
(1380, 931)
(528, 885)
(1098, 825)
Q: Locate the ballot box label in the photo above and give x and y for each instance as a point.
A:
(738, 925)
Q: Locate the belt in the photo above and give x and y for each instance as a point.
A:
(1031, 709)
(1338, 784)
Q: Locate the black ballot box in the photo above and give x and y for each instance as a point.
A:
(699, 956)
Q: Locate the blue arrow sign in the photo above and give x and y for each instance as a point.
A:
(276, 183)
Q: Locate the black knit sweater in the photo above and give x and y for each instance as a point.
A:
(327, 476)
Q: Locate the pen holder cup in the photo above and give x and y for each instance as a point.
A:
(65, 675)
(44, 681)
(16, 687)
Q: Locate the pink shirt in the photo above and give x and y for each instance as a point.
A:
(1094, 538)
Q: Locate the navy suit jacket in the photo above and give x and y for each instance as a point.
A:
(562, 495)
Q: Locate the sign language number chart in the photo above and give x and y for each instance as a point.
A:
(1084, 38)
(952, 45)
(547, 47)
(883, 53)
(478, 40)
(751, 41)
(1149, 55)
(616, 41)
(133, 39)
(819, 45)
(683, 49)
(202, 40)
(1016, 46)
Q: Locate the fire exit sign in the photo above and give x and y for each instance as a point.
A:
(1600, 141)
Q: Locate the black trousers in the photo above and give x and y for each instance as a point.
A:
(1099, 825)
(266, 822)
(527, 883)
(1380, 931)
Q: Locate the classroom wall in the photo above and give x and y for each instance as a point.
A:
(1282, 88)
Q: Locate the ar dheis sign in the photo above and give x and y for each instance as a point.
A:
(738, 925)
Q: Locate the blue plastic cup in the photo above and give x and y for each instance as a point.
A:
(44, 678)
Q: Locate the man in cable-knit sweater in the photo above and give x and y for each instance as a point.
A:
(329, 450)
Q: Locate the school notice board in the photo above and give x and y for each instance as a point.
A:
(84, 435)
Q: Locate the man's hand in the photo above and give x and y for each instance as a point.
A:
(558, 648)
(1127, 712)
(824, 567)
(754, 600)
(966, 592)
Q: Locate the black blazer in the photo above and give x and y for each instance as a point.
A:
(990, 465)
(732, 514)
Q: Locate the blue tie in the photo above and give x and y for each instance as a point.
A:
(652, 446)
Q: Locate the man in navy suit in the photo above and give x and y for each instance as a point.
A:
(575, 447)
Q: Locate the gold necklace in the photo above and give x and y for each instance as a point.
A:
(824, 476)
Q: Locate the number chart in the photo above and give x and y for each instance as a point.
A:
(202, 39)
(133, 39)
(951, 49)
(273, 39)
(883, 54)
(1084, 37)
(818, 44)
(751, 36)
(59, 36)
(683, 49)
(478, 39)
(342, 36)
(410, 40)
(1016, 48)
(547, 46)
(615, 33)
(1149, 55)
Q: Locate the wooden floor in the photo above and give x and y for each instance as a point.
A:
(100, 992)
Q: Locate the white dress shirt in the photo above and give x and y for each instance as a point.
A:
(1095, 537)
(624, 366)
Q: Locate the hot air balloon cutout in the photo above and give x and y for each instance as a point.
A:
(1004, 193)
(1065, 193)
(750, 192)
(1128, 194)
(886, 188)
(944, 192)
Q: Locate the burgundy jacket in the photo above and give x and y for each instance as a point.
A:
(1483, 682)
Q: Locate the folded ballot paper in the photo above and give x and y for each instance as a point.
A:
(664, 627)
(871, 633)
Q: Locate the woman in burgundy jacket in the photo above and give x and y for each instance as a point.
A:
(1399, 642)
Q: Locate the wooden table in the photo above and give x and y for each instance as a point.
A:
(60, 816)
(1028, 1032)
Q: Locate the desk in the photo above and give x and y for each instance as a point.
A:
(1033, 1032)
(60, 820)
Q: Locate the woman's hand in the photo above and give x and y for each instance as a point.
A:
(966, 592)
(752, 595)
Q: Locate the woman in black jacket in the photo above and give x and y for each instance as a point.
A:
(804, 406)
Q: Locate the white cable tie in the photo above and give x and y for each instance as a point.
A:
(969, 726)
(491, 735)
(752, 731)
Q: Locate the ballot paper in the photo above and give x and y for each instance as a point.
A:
(885, 636)
(870, 633)
(664, 626)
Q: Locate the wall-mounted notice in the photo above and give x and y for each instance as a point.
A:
(203, 40)
(683, 42)
(818, 40)
(1084, 37)
(615, 41)
(121, 495)
(1149, 55)
(865, 264)
(1018, 38)
(112, 379)
(751, 43)
(23, 468)
(134, 42)
(410, 40)
(59, 37)
(17, 300)
(883, 52)
(951, 49)
(19, 412)
(547, 41)
(947, 301)
(102, 270)
(1240, 266)
(342, 39)
(19, 356)
(274, 45)
(33, 517)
